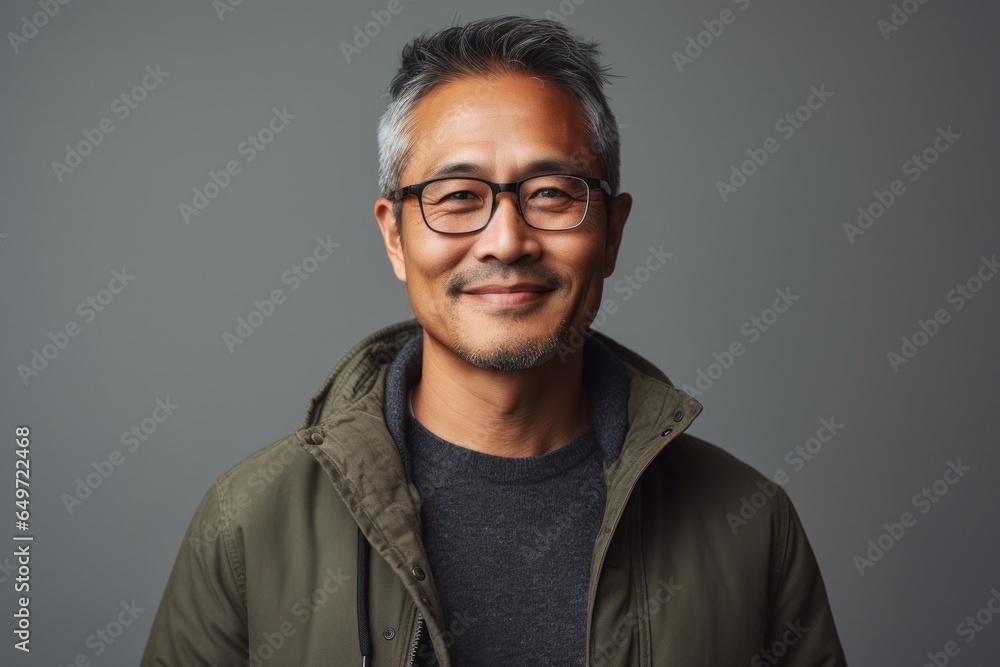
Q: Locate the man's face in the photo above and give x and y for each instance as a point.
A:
(515, 126)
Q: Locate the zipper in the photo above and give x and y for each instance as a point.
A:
(416, 640)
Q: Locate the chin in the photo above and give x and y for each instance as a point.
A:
(510, 350)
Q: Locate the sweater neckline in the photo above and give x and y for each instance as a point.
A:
(604, 377)
(480, 466)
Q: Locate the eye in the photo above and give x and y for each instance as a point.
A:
(460, 195)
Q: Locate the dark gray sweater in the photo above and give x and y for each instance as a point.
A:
(510, 540)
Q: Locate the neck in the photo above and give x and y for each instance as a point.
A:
(504, 413)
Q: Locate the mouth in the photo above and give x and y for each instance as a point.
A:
(510, 295)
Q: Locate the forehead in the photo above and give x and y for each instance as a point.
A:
(496, 120)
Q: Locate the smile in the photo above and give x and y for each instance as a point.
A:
(509, 298)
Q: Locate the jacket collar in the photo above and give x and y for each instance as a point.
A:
(355, 374)
(603, 375)
(345, 429)
(348, 409)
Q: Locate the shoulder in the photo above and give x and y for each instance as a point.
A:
(695, 492)
(247, 491)
(701, 477)
(272, 498)
(718, 489)
(267, 470)
(709, 462)
(279, 475)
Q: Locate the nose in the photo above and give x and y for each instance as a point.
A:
(507, 237)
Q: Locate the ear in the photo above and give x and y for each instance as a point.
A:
(620, 208)
(390, 236)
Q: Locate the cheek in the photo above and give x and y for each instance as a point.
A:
(582, 258)
(431, 261)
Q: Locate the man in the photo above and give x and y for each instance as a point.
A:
(483, 484)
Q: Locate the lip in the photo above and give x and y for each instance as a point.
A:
(517, 294)
(516, 288)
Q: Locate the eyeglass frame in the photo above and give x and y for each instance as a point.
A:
(417, 189)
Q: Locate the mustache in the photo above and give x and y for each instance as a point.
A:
(503, 273)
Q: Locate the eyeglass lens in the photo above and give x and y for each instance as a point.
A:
(547, 202)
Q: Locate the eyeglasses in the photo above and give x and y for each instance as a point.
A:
(461, 205)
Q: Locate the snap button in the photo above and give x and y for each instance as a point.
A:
(389, 633)
(418, 572)
(678, 416)
(426, 601)
(667, 432)
(316, 438)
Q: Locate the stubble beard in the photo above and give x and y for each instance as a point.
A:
(502, 352)
(514, 355)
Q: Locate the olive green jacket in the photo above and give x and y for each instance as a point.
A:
(267, 573)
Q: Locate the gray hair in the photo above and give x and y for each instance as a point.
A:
(497, 45)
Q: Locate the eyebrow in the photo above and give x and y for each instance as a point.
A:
(537, 167)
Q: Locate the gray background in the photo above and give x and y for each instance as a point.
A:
(162, 336)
